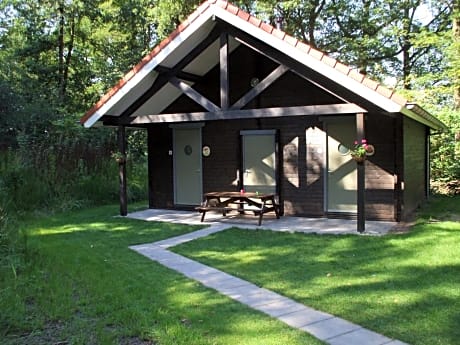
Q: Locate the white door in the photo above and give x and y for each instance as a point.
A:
(259, 161)
(187, 166)
(342, 174)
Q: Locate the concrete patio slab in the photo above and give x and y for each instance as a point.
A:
(284, 224)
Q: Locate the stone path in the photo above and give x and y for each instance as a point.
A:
(326, 327)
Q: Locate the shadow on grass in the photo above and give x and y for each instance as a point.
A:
(404, 286)
(86, 279)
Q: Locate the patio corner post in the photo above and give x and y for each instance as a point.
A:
(361, 177)
(122, 171)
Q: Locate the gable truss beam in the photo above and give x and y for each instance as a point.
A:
(279, 57)
(180, 74)
(193, 94)
(310, 110)
(260, 87)
(164, 77)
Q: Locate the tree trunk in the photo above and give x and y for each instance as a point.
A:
(61, 49)
(406, 45)
(456, 39)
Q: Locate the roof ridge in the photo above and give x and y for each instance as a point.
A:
(268, 28)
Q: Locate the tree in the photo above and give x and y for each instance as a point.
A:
(454, 54)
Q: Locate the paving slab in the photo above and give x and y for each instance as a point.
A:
(304, 317)
(360, 336)
(174, 241)
(218, 278)
(280, 307)
(330, 328)
(256, 298)
(227, 285)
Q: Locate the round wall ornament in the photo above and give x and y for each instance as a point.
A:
(188, 150)
(206, 151)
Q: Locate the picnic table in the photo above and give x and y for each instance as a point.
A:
(242, 202)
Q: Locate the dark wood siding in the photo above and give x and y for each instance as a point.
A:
(301, 188)
(161, 189)
(415, 162)
(301, 139)
(302, 153)
(380, 168)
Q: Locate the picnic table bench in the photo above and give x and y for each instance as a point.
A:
(226, 202)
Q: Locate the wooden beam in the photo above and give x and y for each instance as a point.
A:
(193, 94)
(310, 110)
(150, 165)
(341, 92)
(360, 134)
(224, 81)
(163, 78)
(122, 171)
(180, 74)
(260, 87)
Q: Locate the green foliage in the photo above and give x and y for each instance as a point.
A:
(445, 148)
(170, 13)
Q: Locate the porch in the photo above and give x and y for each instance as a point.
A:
(285, 224)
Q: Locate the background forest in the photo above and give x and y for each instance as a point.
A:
(58, 57)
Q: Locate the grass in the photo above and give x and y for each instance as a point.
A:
(82, 285)
(405, 286)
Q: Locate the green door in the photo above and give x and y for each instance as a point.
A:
(259, 161)
(187, 166)
(342, 174)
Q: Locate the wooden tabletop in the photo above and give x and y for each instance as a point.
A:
(238, 195)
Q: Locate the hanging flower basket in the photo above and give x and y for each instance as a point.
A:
(361, 150)
(358, 159)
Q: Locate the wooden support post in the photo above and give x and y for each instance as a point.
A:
(360, 134)
(224, 85)
(150, 165)
(122, 171)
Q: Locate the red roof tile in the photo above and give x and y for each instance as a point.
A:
(386, 92)
(371, 84)
(254, 21)
(303, 47)
(329, 61)
(264, 26)
(291, 40)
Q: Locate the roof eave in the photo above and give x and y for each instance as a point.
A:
(137, 74)
(417, 113)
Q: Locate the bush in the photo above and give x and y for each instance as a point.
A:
(445, 149)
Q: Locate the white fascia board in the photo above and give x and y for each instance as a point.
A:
(309, 61)
(147, 68)
(430, 121)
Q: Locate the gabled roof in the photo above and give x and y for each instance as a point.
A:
(196, 28)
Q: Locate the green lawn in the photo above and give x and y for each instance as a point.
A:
(82, 285)
(406, 286)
